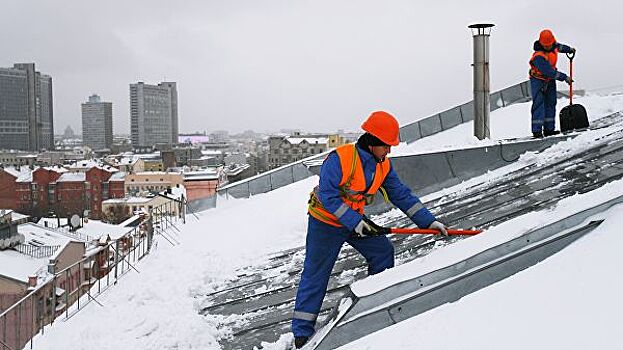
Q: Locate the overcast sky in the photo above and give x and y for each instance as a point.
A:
(317, 65)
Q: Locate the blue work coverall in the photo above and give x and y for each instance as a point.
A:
(544, 91)
(324, 241)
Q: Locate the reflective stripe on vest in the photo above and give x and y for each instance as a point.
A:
(352, 186)
(551, 57)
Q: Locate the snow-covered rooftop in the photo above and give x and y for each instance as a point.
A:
(17, 173)
(97, 229)
(311, 140)
(118, 176)
(200, 175)
(19, 266)
(128, 200)
(72, 177)
(567, 301)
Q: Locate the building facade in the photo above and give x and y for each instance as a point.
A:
(152, 181)
(42, 191)
(26, 112)
(287, 149)
(153, 114)
(97, 123)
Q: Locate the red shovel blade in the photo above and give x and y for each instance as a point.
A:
(424, 231)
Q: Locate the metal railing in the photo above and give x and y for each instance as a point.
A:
(464, 113)
(37, 252)
(67, 291)
(438, 122)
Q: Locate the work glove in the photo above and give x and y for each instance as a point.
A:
(436, 225)
(367, 228)
(568, 80)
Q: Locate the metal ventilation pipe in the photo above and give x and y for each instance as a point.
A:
(481, 33)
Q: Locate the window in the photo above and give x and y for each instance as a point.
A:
(105, 190)
(51, 188)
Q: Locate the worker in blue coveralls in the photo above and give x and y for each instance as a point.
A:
(349, 178)
(543, 76)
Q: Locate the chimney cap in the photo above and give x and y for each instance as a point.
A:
(481, 28)
(481, 25)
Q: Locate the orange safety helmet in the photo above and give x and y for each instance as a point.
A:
(546, 38)
(384, 127)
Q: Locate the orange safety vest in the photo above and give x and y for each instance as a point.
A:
(551, 57)
(352, 185)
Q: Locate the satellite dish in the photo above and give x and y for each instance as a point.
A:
(86, 214)
(75, 221)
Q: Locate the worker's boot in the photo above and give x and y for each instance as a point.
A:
(551, 132)
(300, 341)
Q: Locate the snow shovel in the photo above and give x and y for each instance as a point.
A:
(410, 231)
(572, 117)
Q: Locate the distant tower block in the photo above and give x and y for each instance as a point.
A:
(481, 33)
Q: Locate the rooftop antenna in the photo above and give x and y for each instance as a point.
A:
(481, 33)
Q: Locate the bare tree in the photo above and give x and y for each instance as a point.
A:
(116, 214)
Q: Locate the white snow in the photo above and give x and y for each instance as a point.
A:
(72, 177)
(19, 266)
(569, 301)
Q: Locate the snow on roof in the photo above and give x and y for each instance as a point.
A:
(108, 168)
(40, 235)
(72, 177)
(17, 173)
(84, 164)
(148, 156)
(129, 160)
(128, 200)
(53, 222)
(130, 220)
(18, 216)
(209, 152)
(310, 140)
(98, 229)
(25, 177)
(58, 169)
(176, 192)
(118, 176)
(18, 266)
(147, 173)
(236, 169)
(200, 175)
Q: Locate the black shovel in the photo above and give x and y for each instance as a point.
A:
(572, 117)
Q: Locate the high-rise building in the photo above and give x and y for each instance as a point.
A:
(26, 113)
(97, 123)
(153, 114)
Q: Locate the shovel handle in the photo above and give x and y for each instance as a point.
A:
(426, 231)
(571, 55)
